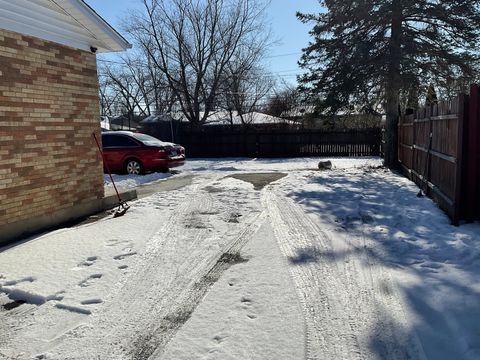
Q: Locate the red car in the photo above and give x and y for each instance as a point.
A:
(135, 153)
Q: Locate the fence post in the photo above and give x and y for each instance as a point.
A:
(472, 155)
(462, 119)
(433, 109)
(414, 142)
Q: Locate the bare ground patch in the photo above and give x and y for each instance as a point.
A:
(259, 180)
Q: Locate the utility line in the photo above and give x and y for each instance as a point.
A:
(282, 55)
(280, 73)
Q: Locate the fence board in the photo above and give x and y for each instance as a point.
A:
(471, 187)
(430, 152)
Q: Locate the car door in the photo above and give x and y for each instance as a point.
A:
(116, 149)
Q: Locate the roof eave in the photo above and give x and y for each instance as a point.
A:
(117, 41)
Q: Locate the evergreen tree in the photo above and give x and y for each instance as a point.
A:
(431, 96)
(363, 46)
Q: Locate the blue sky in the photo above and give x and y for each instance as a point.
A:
(291, 33)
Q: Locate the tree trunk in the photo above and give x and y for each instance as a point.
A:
(393, 88)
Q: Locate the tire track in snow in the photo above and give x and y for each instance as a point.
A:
(192, 278)
(351, 311)
(194, 291)
(315, 281)
(174, 273)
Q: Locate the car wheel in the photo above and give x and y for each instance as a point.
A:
(133, 167)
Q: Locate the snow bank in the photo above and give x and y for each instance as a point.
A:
(132, 181)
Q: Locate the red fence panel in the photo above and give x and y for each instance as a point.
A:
(430, 152)
(439, 149)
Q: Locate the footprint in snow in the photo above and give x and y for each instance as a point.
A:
(246, 301)
(91, 301)
(116, 242)
(246, 304)
(89, 261)
(218, 339)
(89, 280)
(15, 282)
(124, 255)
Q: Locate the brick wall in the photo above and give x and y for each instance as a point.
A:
(48, 110)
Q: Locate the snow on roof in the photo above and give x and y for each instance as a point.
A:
(223, 118)
(298, 111)
(67, 22)
(254, 118)
(220, 118)
(156, 118)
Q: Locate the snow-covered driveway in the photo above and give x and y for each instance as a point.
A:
(255, 259)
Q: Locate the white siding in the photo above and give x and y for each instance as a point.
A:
(67, 22)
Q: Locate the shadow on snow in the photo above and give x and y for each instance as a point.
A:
(412, 235)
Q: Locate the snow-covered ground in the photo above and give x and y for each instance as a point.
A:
(132, 181)
(197, 166)
(340, 264)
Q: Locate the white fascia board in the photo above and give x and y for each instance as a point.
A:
(67, 22)
(95, 23)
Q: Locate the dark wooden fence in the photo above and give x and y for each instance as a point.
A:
(268, 141)
(438, 149)
(282, 143)
(471, 148)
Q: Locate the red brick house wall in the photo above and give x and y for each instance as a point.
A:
(49, 108)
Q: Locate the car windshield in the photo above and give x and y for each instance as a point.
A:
(148, 140)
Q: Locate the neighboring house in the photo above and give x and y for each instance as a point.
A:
(50, 170)
(251, 118)
(298, 113)
(171, 127)
(124, 123)
(154, 119)
(221, 118)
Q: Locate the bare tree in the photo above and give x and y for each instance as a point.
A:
(108, 98)
(120, 85)
(244, 90)
(156, 94)
(285, 99)
(163, 96)
(192, 41)
(132, 85)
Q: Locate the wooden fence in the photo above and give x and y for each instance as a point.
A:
(438, 149)
(281, 143)
(266, 140)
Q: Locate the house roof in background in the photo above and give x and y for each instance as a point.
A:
(157, 118)
(253, 118)
(67, 22)
(298, 111)
(221, 118)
